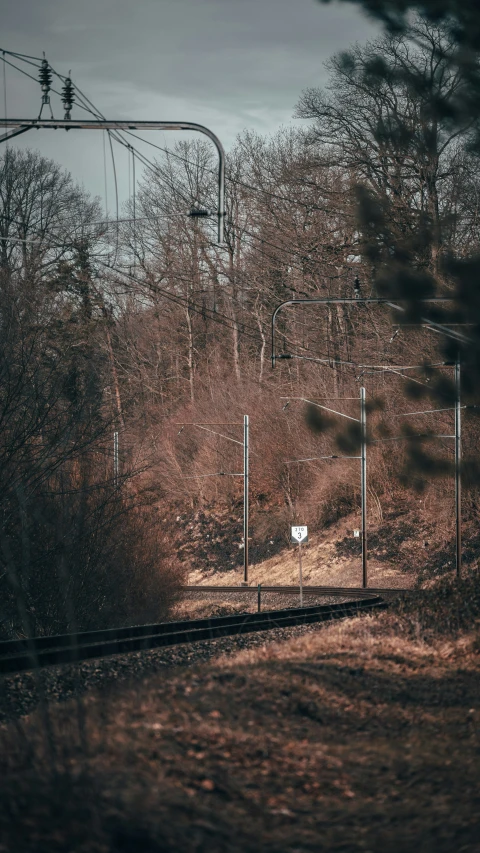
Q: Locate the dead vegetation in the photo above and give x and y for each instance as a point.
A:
(413, 544)
(363, 735)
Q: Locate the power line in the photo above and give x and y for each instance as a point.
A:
(24, 56)
(182, 301)
(239, 327)
(216, 316)
(117, 136)
(229, 177)
(116, 192)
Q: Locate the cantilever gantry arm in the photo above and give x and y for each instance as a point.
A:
(22, 125)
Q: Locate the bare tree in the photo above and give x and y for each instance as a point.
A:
(42, 215)
(379, 118)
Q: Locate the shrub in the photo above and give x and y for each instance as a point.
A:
(83, 558)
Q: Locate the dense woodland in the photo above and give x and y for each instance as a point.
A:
(141, 325)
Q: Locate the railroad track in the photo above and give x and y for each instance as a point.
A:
(22, 654)
(345, 592)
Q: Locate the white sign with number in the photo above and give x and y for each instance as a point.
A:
(356, 534)
(300, 534)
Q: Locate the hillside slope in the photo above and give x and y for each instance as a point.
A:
(406, 547)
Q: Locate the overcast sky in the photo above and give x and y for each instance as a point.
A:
(229, 64)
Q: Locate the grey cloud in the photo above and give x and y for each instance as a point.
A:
(231, 64)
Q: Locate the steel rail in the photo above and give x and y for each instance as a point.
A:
(347, 592)
(21, 655)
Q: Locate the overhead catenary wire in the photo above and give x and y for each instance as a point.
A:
(134, 196)
(224, 320)
(318, 458)
(258, 237)
(249, 235)
(116, 135)
(215, 315)
(386, 367)
(12, 65)
(425, 412)
(24, 56)
(240, 325)
(312, 403)
(116, 194)
(93, 110)
(179, 300)
(408, 437)
(216, 474)
(221, 435)
(232, 180)
(97, 222)
(264, 323)
(105, 173)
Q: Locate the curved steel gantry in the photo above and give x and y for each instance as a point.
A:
(20, 125)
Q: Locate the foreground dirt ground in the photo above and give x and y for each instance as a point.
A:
(362, 736)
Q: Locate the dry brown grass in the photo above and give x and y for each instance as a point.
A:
(321, 565)
(198, 609)
(362, 735)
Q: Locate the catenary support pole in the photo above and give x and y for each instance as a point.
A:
(458, 480)
(245, 498)
(363, 483)
(300, 575)
(115, 459)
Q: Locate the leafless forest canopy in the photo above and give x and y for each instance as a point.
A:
(138, 326)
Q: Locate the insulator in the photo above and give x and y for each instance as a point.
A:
(67, 93)
(199, 212)
(45, 76)
(67, 97)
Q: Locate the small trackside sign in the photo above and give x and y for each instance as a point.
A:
(299, 534)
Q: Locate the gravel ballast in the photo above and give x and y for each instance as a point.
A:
(20, 694)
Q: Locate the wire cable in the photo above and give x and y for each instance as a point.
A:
(23, 56)
(93, 110)
(117, 137)
(232, 180)
(182, 301)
